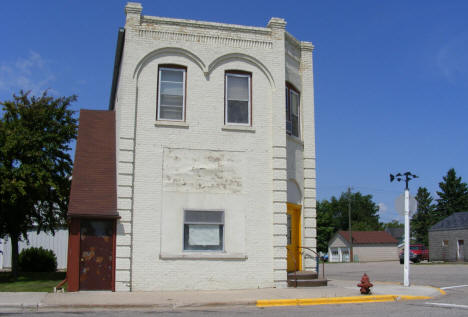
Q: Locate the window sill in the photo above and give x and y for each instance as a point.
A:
(295, 139)
(238, 128)
(203, 256)
(173, 124)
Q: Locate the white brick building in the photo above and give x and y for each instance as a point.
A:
(209, 163)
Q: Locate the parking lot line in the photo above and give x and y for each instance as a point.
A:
(448, 305)
(456, 286)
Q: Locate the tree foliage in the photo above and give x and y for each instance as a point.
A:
(332, 216)
(453, 195)
(393, 224)
(424, 217)
(35, 164)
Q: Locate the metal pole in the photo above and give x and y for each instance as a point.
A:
(407, 238)
(349, 223)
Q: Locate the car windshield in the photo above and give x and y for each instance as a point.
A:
(415, 247)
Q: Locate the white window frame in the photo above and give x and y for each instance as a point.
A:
(249, 110)
(223, 224)
(184, 90)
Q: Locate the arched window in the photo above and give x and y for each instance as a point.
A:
(171, 92)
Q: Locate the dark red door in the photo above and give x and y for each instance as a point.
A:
(96, 254)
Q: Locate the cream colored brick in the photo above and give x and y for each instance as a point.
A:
(124, 228)
(122, 251)
(256, 213)
(122, 276)
(122, 286)
(125, 168)
(124, 239)
(124, 203)
(124, 192)
(310, 223)
(126, 156)
(122, 263)
(126, 144)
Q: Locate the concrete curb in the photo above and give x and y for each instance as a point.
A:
(257, 303)
(336, 300)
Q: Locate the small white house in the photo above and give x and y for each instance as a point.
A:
(213, 160)
(368, 246)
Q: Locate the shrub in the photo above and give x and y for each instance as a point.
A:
(37, 260)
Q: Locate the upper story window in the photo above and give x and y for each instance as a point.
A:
(292, 111)
(171, 93)
(238, 98)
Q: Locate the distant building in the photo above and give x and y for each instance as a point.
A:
(368, 246)
(447, 238)
(397, 233)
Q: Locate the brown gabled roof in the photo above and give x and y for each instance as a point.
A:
(94, 186)
(368, 237)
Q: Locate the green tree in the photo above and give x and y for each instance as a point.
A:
(424, 217)
(35, 165)
(332, 216)
(393, 224)
(325, 225)
(453, 195)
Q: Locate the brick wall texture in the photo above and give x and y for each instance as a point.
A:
(261, 158)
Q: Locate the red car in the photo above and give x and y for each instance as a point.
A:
(418, 253)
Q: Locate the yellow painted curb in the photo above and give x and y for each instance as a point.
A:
(335, 300)
(440, 290)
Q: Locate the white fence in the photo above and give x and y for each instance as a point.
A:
(57, 243)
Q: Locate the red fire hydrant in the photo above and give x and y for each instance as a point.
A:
(365, 284)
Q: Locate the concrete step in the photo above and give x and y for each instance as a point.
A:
(303, 275)
(305, 279)
(307, 283)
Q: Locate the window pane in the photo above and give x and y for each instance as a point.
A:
(205, 217)
(295, 125)
(238, 111)
(172, 75)
(294, 104)
(171, 112)
(176, 89)
(295, 110)
(171, 94)
(171, 100)
(204, 235)
(237, 88)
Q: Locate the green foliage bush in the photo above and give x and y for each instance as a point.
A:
(37, 260)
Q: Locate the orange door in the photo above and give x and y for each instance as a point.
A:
(294, 237)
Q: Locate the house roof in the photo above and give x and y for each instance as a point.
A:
(94, 185)
(458, 220)
(368, 237)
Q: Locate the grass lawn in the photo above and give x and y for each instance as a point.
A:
(30, 282)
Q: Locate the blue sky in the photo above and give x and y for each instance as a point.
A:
(391, 78)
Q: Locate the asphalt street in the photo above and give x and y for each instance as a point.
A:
(438, 275)
(452, 278)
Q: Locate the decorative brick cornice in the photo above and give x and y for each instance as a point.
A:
(204, 38)
(277, 23)
(307, 46)
(206, 25)
(133, 8)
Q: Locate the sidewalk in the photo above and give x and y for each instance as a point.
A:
(337, 292)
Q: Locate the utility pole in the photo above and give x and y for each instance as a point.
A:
(406, 177)
(351, 257)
